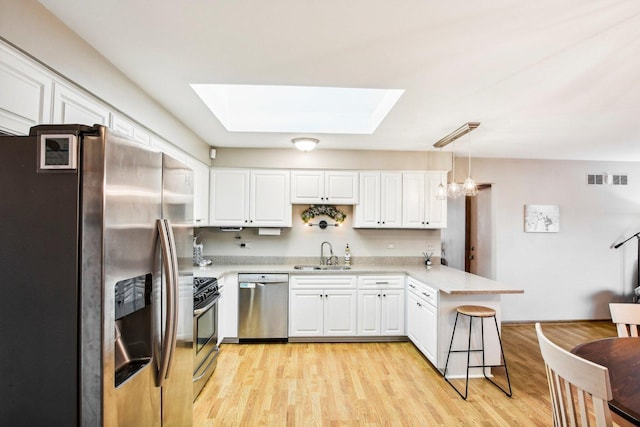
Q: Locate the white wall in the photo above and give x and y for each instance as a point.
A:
(575, 273)
(453, 235)
(33, 29)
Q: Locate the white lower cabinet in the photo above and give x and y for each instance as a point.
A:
(322, 306)
(228, 308)
(381, 305)
(422, 318)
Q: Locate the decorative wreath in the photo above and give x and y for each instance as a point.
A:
(328, 210)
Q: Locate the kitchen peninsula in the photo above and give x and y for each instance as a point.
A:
(429, 298)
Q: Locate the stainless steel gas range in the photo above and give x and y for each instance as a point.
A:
(206, 293)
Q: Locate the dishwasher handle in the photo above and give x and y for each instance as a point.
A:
(250, 285)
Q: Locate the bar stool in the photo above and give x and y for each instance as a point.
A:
(476, 311)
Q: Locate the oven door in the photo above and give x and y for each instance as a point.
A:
(205, 332)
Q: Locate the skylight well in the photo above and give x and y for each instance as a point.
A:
(298, 109)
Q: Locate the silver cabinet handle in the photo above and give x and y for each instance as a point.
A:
(382, 283)
(426, 294)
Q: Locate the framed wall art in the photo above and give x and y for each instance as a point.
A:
(541, 218)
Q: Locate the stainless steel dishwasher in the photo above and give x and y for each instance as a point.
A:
(263, 307)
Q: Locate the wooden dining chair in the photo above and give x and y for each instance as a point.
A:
(572, 382)
(626, 316)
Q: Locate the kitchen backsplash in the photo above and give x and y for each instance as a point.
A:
(281, 260)
(301, 243)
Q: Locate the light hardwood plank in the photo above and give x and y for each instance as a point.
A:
(378, 384)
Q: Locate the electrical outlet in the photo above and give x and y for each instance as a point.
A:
(430, 246)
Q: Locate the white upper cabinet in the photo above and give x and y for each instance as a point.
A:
(250, 198)
(73, 106)
(420, 208)
(168, 148)
(127, 127)
(322, 187)
(380, 200)
(229, 198)
(200, 191)
(25, 89)
(269, 204)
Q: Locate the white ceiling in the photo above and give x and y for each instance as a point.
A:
(547, 79)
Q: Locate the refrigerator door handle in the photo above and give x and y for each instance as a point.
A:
(169, 263)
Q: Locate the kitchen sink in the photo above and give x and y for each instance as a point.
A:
(321, 267)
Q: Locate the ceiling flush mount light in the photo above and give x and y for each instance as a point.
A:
(305, 144)
(462, 130)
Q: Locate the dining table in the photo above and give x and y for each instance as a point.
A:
(621, 356)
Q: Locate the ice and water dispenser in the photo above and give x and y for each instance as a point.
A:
(133, 326)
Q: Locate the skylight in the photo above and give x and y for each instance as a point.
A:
(297, 109)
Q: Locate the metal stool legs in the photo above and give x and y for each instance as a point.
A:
(469, 350)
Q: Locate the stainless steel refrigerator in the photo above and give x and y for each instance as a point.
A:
(96, 292)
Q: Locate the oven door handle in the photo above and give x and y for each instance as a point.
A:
(199, 311)
(206, 368)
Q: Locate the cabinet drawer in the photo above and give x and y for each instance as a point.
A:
(423, 291)
(322, 282)
(380, 282)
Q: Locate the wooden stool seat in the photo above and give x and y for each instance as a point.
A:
(476, 311)
(480, 312)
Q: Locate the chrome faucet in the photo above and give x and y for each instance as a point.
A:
(323, 260)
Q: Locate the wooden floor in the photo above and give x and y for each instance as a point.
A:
(377, 384)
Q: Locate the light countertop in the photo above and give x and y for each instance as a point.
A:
(445, 279)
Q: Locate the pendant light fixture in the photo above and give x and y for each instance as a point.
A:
(441, 191)
(453, 189)
(469, 187)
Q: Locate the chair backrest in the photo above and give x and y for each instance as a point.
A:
(572, 381)
(626, 316)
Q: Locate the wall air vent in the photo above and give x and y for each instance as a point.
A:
(607, 179)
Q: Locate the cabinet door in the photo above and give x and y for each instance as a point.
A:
(306, 313)
(229, 201)
(72, 106)
(26, 94)
(341, 187)
(229, 307)
(307, 186)
(392, 321)
(413, 200)
(127, 127)
(222, 316)
(200, 191)
(429, 339)
(168, 148)
(367, 211)
(414, 326)
(436, 209)
(269, 201)
(391, 199)
(339, 313)
(369, 312)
